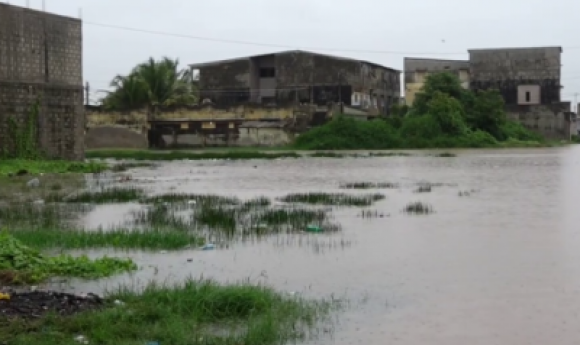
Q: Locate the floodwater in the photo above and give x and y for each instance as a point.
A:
(501, 266)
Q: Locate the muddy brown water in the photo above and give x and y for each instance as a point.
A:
(501, 266)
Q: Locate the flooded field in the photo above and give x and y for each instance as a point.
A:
(482, 248)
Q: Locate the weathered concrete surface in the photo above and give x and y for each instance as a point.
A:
(298, 76)
(137, 120)
(248, 137)
(553, 121)
(114, 137)
(507, 69)
(41, 60)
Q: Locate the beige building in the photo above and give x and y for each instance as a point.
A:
(418, 69)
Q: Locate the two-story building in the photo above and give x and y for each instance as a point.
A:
(292, 77)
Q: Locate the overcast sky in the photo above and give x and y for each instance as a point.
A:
(377, 30)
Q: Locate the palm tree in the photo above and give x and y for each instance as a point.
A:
(153, 84)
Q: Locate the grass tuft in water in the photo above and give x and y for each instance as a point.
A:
(193, 312)
(466, 193)
(418, 208)
(426, 188)
(369, 185)
(336, 199)
(147, 239)
(37, 216)
(369, 214)
(193, 199)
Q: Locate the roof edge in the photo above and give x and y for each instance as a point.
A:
(516, 48)
(217, 62)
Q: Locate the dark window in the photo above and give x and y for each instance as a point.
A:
(267, 72)
(528, 96)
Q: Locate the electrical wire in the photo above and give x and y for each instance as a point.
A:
(273, 45)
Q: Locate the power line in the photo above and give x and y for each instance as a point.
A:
(273, 45)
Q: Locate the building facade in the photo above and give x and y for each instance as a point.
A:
(418, 69)
(523, 76)
(294, 77)
(41, 63)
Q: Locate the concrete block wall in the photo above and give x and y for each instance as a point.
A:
(41, 59)
(553, 121)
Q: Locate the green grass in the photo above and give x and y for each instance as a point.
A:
(14, 166)
(183, 155)
(207, 199)
(21, 264)
(146, 239)
(333, 199)
(193, 312)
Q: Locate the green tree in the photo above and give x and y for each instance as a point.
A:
(153, 84)
(445, 83)
(448, 112)
(487, 113)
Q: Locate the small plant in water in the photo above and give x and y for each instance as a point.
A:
(372, 214)
(369, 185)
(337, 199)
(467, 192)
(418, 208)
(426, 188)
(104, 196)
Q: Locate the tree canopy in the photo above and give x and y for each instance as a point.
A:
(152, 84)
(443, 114)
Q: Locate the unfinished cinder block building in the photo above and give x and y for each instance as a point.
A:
(529, 80)
(297, 76)
(41, 60)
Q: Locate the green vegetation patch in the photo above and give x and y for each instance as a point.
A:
(443, 115)
(23, 167)
(193, 312)
(20, 264)
(333, 199)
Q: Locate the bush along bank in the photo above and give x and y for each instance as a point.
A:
(443, 115)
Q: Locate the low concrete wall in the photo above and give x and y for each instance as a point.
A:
(136, 120)
(248, 137)
(553, 121)
(114, 137)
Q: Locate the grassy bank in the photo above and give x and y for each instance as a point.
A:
(194, 312)
(21, 166)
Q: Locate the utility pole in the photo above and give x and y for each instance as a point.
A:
(576, 102)
(87, 89)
